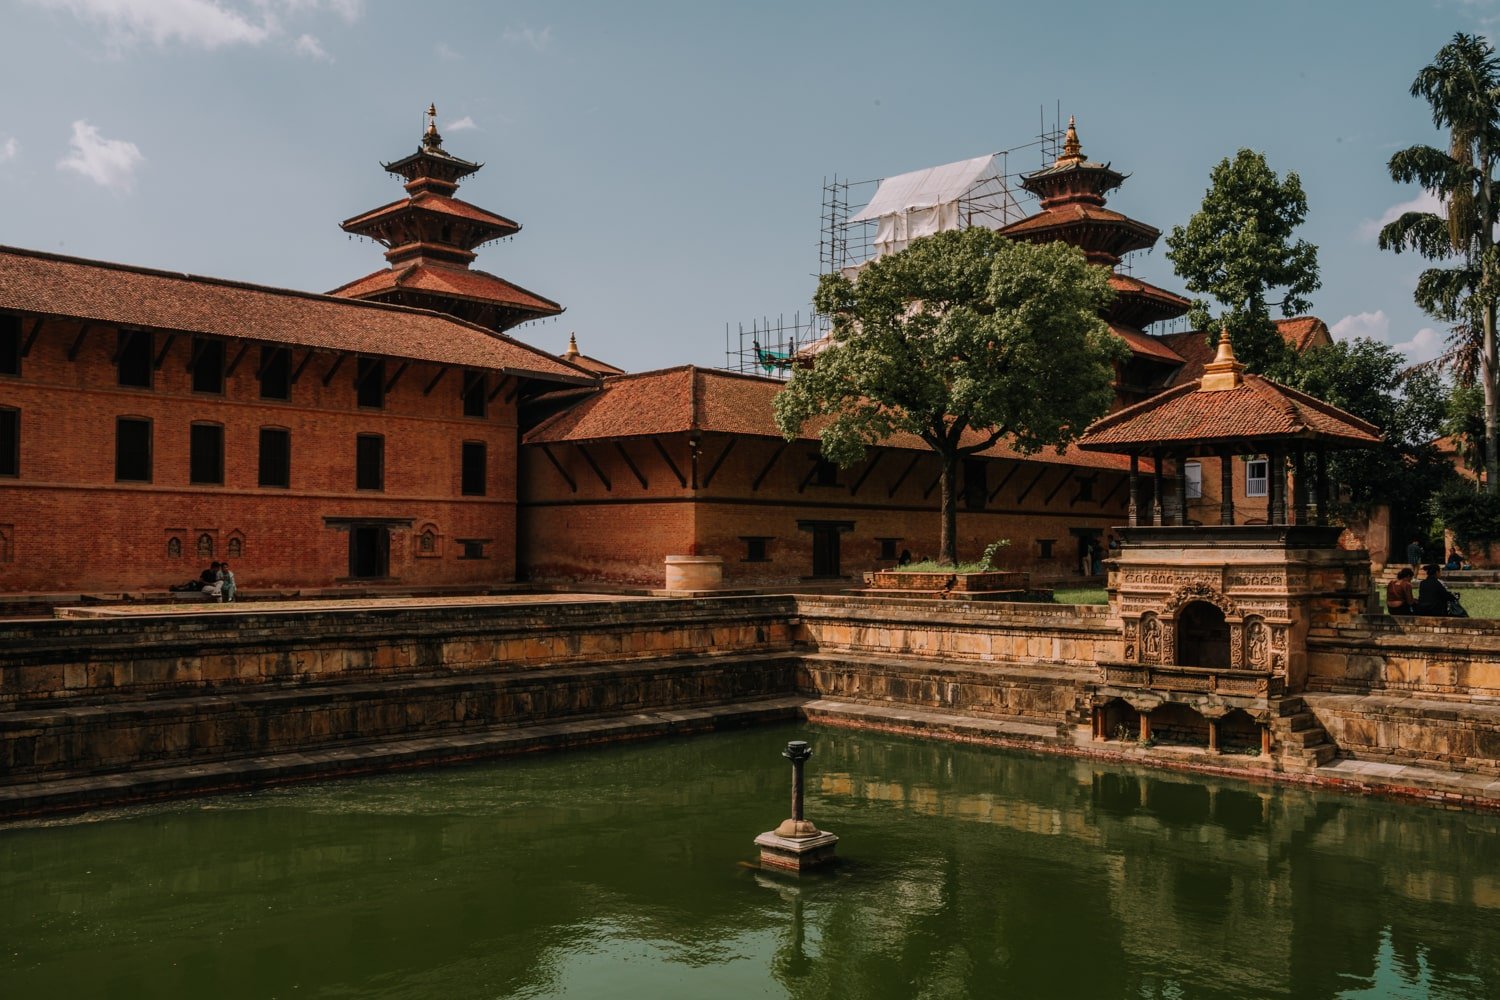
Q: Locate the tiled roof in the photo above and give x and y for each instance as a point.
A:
(49, 284)
(457, 282)
(1139, 302)
(594, 365)
(687, 398)
(1302, 332)
(1143, 343)
(442, 204)
(1257, 410)
(1075, 214)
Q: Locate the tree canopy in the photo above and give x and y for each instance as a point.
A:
(961, 339)
(1239, 249)
(1461, 85)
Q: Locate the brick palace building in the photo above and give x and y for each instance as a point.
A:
(392, 433)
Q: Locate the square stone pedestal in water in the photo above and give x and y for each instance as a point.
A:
(810, 848)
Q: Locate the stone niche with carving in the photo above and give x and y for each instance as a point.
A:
(1216, 618)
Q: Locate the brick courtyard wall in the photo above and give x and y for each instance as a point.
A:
(67, 525)
(620, 532)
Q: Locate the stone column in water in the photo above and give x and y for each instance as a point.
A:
(796, 845)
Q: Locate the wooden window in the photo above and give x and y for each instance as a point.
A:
(1257, 477)
(473, 548)
(473, 469)
(275, 457)
(10, 441)
(756, 548)
(275, 373)
(826, 473)
(1193, 475)
(369, 462)
(1045, 545)
(10, 344)
(370, 383)
(888, 548)
(206, 454)
(136, 361)
(208, 365)
(976, 488)
(132, 450)
(475, 398)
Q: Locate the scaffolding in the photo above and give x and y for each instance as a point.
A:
(846, 243)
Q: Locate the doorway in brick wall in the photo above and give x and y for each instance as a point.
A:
(826, 546)
(369, 551)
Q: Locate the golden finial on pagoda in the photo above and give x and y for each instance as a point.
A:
(431, 137)
(1225, 370)
(1072, 148)
(572, 351)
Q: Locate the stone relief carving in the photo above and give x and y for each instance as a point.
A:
(1151, 639)
(1237, 646)
(1200, 591)
(1257, 644)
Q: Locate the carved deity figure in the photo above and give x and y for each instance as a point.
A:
(1151, 639)
(1258, 644)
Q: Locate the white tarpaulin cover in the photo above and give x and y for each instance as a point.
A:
(924, 202)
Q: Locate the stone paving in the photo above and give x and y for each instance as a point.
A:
(330, 604)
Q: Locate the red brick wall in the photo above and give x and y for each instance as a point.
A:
(623, 532)
(72, 527)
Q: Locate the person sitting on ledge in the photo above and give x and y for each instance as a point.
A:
(1455, 560)
(1433, 596)
(1399, 599)
(213, 582)
(226, 583)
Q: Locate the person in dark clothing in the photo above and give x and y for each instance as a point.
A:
(1433, 595)
(1399, 599)
(1414, 552)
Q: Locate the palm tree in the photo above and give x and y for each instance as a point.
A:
(1462, 85)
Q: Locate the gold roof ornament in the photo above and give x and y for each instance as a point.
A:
(431, 137)
(572, 351)
(1072, 149)
(1224, 371)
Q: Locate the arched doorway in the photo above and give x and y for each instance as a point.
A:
(1202, 636)
(1179, 725)
(1238, 732)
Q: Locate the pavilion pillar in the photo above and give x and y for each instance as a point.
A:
(1299, 486)
(1135, 485)
(1276, 487)
(1226, 487)
(1265, 740)
(1181, 488)
(1145, 726)
(1213, 735)
(1321, 484)
(1157, 511)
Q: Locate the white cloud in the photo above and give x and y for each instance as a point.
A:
(1424, 345)
(204, 23)
(110, 163)
(536, 39)
(1424, 202)
(458, 126)
(308, 45)
(1375, 325)
(446, 53)
(9, 149)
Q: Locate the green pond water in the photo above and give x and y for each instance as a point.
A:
(622, 872)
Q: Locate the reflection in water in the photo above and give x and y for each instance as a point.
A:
(617, 873)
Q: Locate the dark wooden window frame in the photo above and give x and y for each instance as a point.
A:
(197, 462)
(148, 456)
(285, 465)
(361, 478)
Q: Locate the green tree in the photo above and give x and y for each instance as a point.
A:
(1372, 381)
(961, 339)
(1239, 249)
(1462, 85)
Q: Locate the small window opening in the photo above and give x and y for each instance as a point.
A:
(136, 361)
(371, 383)
(208, 365)
(756, 548)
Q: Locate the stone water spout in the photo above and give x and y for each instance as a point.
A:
(796, 845)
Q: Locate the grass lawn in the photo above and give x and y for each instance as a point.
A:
(1080, 595)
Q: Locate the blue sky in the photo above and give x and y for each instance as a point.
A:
(666, 159)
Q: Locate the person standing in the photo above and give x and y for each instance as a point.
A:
(1414, 553)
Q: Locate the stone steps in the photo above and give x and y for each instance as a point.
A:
(1304, 744)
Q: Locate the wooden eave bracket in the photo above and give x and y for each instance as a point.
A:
(433, 383)
(662, 451)
(36, 328)
(582, 450)
(337, 364)
(760, 477)
(78, 342)
(630, 464)
(712, 469)
(572, 486)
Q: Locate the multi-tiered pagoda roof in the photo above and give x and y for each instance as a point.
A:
(431, 237)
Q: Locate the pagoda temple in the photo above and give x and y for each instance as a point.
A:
(430, 238)
(1072, 193)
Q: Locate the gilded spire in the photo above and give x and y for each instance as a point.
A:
(1072, 148)
(572, 351)
(1225, 370)
(430, 138)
